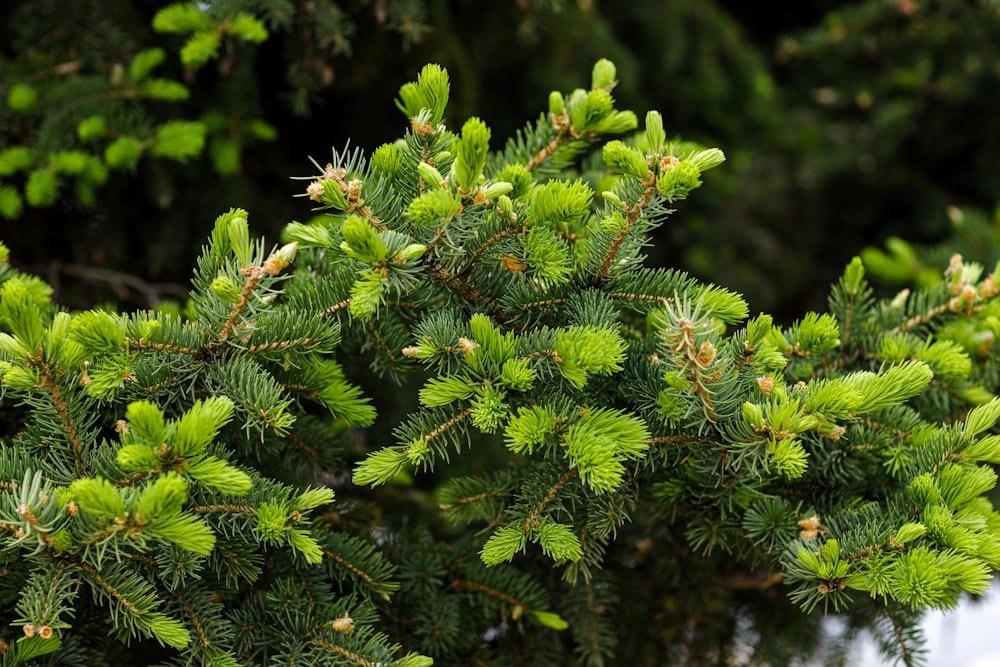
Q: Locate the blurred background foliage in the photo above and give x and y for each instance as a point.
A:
(126, 127)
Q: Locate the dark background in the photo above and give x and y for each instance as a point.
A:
(844, 123)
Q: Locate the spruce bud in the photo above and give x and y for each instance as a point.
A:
(239, 239)
(618, 122)
(753, 414)
(281, 258)
(614, 199)
(387, 159)
(679, 180)
(625, 160)
(604, 75)
(707, 159)
(505, 204)
(907, 533)
(225, 289)
(18, 377)
(411, 251)
(361, 241)
(148, 329)
(557, 105)
(332, 194)
(497, 189)
(853, 275)
(13, 346)
(655, 136)
(430, 175)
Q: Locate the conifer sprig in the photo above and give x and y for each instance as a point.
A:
(574, 428)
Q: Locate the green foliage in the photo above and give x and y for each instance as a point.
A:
(591, 430)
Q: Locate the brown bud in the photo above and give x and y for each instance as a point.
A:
(315, 191)
(344, 624)
(766, 384)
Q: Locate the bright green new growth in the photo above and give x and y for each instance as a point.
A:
(572, 409)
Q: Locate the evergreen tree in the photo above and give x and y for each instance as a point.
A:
(601, 461)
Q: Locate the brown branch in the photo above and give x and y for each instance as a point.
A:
(194, 619)
(923, 318)
(594, 643)
(253, 274)
(673, 438)
(162, 347)
(48, 383)
(354, 569)
(453, 282)
(340, 650)
(631, 296)
(227, 509)
(489, 242)
(900, 638)
(616, 244)
(278, 345)
(752, 581)
(492, 592)
(448, 424)
(310, 452)
(335, 307)
(545, 303)
(553, 490)
(112, 591)
(381, 341)
(472, 499)
(548, 151)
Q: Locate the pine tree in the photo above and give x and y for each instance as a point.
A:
(600, 461)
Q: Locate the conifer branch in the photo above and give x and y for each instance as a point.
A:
(547, 151)
(635, 211)
(354, 569)
(119, 282)
(280, 345)
(529, 523)
(592, 629)
(340, 650)
(545, 303)
(499, 236)
(630, 296)
(575, 359)
(673, 438)
(301, 444)
(223, 509)
(152, 389)
(386, 350)
(335, 308)
(565, 133)
(451, 423)
(901, 640)
(922, 318)
(754, 581)
(467, 500)
(195, 620)
(111, 590)
(140, 345)
(50, 385)
(465, 288)
(488, 590)
(252, 276)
